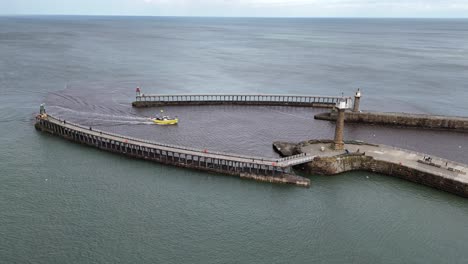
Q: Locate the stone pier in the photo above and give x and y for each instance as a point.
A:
(433, 122)
(413, 166)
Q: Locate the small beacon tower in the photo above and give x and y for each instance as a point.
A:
(341, 106)
(357, 99)
(42, 109)
(138, 91)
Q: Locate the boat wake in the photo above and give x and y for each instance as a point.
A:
(99, 118)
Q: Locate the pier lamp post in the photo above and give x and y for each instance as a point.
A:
(341, 106)
(357, 99)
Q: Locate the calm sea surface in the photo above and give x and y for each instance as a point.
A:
(66, 203)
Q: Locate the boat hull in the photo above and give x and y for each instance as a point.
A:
(166, 122)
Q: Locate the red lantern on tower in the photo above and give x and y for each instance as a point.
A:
(138, 91)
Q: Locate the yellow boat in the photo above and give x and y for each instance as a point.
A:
(165, 120)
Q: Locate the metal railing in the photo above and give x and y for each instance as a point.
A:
(201, 152)
(254, 98)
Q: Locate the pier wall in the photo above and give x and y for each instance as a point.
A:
(257, 168)
(379, 159)
(401, 120)
(341, 164)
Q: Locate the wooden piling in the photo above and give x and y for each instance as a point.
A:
(270, 170)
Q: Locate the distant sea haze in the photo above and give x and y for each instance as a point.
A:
(63, 202)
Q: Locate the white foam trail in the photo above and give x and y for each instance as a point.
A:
(130, 122)
(106, 117)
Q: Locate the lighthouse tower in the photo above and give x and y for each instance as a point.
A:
(357, 99)
(341, 106)
(42, 109)
(138, 92)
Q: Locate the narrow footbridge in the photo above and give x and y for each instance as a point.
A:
(148, 100)
(227, 163)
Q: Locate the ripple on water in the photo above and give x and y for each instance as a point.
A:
(233, 128)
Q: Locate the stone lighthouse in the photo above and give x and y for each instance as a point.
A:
(357, 99)
(341, 106)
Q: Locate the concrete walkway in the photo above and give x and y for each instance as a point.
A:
(437, 166)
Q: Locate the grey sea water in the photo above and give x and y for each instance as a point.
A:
(65, 203)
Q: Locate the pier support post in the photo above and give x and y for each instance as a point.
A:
(357, 99)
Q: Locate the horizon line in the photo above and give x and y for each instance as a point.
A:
(198, 16)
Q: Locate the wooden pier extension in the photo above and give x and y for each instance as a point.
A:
(148, 100)
(257, 168)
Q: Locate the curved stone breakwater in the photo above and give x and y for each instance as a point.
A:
(405, 164)
(436, 122)
(249, 167)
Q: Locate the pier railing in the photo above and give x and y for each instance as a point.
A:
(144, 100)
(211, 160)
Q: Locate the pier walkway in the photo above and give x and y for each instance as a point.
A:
(414, 166)
(148, 100)
(413, 159)
(259, 168)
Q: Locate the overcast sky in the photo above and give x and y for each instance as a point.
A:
(282, 8)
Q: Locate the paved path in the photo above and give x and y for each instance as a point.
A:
(448, 169)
